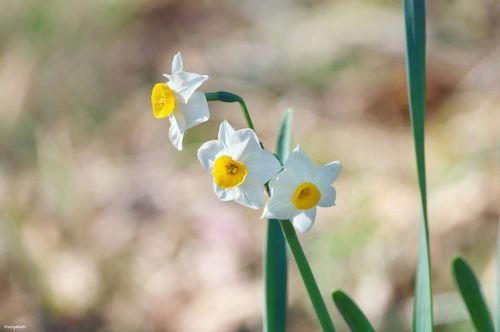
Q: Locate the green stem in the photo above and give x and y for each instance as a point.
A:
(229, 97)
(307, 276)
(288, 230)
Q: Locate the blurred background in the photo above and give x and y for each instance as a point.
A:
(105, 227)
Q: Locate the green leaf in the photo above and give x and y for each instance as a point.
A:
(353, 316)
(414, 11)
(470, 289)
(284, 142)
(497, 302)
(276, 268)
(422, 310)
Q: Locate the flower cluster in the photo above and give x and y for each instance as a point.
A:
(240, 166)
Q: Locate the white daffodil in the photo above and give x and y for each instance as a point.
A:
(301, 187)
(239, 165)
(179, 101)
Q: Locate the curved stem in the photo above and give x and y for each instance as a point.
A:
(287, 228)
(229, 97)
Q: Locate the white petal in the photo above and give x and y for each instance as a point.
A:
(246, 135)
(244, 144)
(250, 194)
(327, 174)
(225, 132)
(185, 84)
(195, 111)
(177, 64)
(177, 67)
(299, 165)
(328, 196)
(279, 206)
(207, 153)
(284, 181)
(224, 194)
(304, 220)
(273, 183)
(264, 166)
(177, 129)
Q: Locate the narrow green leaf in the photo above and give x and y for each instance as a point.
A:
(414, 11)
(497, 302)
(422, 307)
(353, 316)
(276, 268)
(470, 289)
(284, 142)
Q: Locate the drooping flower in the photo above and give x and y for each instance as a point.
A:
(299, 188)
(239, 165)
(179, 101)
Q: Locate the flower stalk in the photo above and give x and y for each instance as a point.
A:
(288, 231)
(229, 97)
(307, 276)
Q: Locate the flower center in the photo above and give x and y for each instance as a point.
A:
(163, 100)
(306, 196)
(228, 173)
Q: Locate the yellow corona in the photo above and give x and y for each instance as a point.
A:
(228, 173)
(162, 100)
(306, 196)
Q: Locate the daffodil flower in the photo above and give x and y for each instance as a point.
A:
(179, 101)
(299, 188)
(239, 165)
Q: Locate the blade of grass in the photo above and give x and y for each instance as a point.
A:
(275, 264)
(352, 314)
(469, 288)
(414, 12)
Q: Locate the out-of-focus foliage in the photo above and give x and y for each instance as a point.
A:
(105, 227)
(471, 293)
